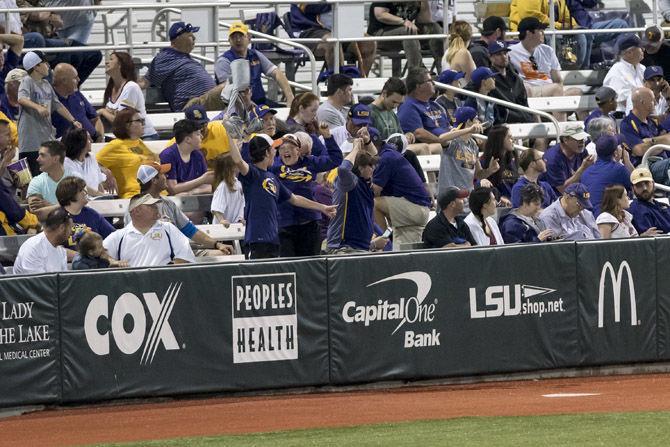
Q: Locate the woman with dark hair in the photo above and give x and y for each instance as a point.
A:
(302, 115)
(500, 146)
(78, 160)
(122, 91)
(481, 220)
(614, 221)
(522, 224)
(124, 155)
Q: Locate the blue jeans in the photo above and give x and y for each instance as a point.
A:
(84, 61)
(595, 40)
(660, 171)
(80, 32)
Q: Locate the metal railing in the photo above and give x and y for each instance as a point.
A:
(653, 150)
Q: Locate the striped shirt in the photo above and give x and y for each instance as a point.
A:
(179, 77)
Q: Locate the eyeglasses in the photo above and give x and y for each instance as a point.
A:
(139, 120)
(533, 62)
(428, 80)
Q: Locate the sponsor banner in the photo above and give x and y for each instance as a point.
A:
(29, 357)
(617, 289)
(194, 329)
(453, 312)
(663, 296)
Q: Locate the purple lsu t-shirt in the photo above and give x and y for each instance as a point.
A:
(414, 114)
(181, 171)
(396, 176)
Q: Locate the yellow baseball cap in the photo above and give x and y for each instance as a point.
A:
(238, 27)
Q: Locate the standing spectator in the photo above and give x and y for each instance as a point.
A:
(124, 155)
(239, 39)
(458, 57)
(302, 115)
(9, 100)
(447, 98)
(533, 166)
(37, 99)
(148, 241)
(567, 160)
(614, 220)
(228, 200)
(500, 146)
(627, 74)
(493, 30)
(606, 100)
(448, 228)
(509, 85)
(481, 220)
(66, 86)
(188, 172)
(405, 19)
(569, 217)
(44, 253)
(522, 223)
(179, 76)
(339, 92)
(81, 163)
(648, 214)
(605, 171)
(123, 90)
(656, 49)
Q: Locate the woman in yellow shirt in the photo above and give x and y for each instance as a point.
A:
(124, 155)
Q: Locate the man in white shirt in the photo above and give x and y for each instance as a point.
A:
(44, 253)
(147, 241)
(627, 74)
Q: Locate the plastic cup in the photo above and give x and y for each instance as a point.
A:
(22, 171)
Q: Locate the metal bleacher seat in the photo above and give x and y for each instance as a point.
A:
(118, 207)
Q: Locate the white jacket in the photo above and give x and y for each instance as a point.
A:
(478, 232)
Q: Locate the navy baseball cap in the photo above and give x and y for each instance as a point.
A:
(375, 136)
(604, 94)
(196, 113)
(450, 194)
(606, 145)
(449, 76)
(360, 115)
(480, 74)
(582, 194)
(626, 41)
(463, 115)
(497, 47)
(179, 28)
(263, 110)
(652, 72)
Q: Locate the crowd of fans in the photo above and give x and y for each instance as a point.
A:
(336, 176)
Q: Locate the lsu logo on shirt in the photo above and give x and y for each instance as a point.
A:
(270, 186)
(300, 175)
(156, 235)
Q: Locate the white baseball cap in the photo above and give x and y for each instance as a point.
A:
(148, 171)
(32, 59)
(15, 74)
(146, 199)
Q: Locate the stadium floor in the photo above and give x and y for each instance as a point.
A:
(239, 415)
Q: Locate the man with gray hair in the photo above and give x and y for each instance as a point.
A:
(627, 74)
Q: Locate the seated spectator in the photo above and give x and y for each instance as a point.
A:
(604, 125)
(356, 126)
(648, 214)
(299, 227)
(240, 40)
(77, 25)
(508, 84)
(614, 221)
(522, 223)
(385, 119)
(302, 115)
(188, 172)
(493, 30)
(654, 81)
(9, 100)
(228, 200)
(179, 76)
(351, 229)
(447, 98)
(402, 200)
(91, 254)
(152, 180)
(640, 132)
(315, 21)
(38, 100)
(500, 146)
(459, 163)
(403, 19)
(45, 252)
(124, 155)
(81, 163)
(339, 92)
(656, 49)
(533, 166)
(262, 193)
(41, 191)
(448, 228)
(71, 194)
(148, 241)
(606, 100)
(215, 139)
(605, 171)
(66, 86)
(483, 82)
(481, 220)
(567, 160)
(457, 56)
(628, 73)
(14, 219)
(569, 217)
(122, 89)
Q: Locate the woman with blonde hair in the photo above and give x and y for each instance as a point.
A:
(457, 57)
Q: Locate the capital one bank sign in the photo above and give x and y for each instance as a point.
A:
(616, 280)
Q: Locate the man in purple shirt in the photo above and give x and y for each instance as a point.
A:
(647, 212)
(66, 86)
(567, 160)
(188, 173)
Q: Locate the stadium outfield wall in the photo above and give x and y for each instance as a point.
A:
(90, 336)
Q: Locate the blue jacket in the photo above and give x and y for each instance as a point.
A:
(305, 16)
(581, 16)
(650, 214)
(518, 229)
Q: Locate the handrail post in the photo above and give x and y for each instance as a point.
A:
(130, 43)
(552, 23)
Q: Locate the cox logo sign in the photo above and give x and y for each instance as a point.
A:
(130, 305)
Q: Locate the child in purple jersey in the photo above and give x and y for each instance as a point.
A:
(262, 193)
(188, 173)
